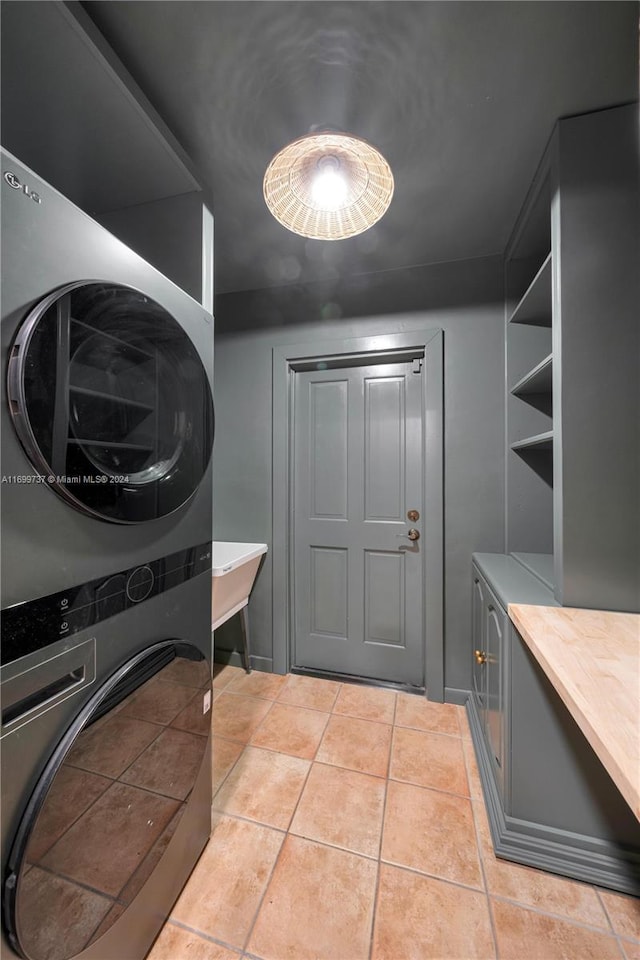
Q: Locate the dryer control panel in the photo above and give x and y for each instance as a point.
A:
(36, 624)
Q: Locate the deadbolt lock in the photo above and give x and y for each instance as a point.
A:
(413, 515)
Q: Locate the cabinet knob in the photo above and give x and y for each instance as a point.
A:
(480, 656)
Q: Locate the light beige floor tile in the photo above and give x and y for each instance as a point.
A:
(236, 717)
(310, 692)
(624, 913)
(360, 745)
(631, 949)
(429, 759)
(422, 714)
(293, 730)
(318, 906)
(473, 774)
(225, 754)
(432, 832)
(536, 888)
(522, 932)
(224, 890)
(463, 721)
(341, 807)
(175, 943)
(366, 703)
(419, 918)
(224, 673)
(263, 786)
(258, 684)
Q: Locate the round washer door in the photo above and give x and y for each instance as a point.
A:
(111, 402)
(108, 802)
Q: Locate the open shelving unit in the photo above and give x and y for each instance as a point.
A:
(529, 374)
(571, 342)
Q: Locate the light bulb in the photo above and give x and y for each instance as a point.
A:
(329, 188)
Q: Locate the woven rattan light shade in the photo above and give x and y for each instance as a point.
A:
(289, 186)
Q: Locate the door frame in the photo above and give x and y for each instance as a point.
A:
(292, 358)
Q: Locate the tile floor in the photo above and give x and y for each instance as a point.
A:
(349, 824)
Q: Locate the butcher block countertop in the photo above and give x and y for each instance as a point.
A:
(592, 658)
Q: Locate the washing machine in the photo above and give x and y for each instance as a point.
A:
(106, 498)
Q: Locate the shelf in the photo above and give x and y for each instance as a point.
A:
(543, 442)
(537, 452)
(112, 398)
(536, 381)
(535, 306)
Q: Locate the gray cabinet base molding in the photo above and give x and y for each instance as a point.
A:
(569, 854)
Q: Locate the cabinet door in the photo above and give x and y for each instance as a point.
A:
(495, 631)
(477, 636)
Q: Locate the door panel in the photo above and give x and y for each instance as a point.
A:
(494, 633)
(384, 448)
(358, 582)
(329, 443)
(384, 598)
(329, 614)
(479, 665)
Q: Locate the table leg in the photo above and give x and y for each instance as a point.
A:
(246, 651)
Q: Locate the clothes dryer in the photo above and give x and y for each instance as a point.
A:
(107, 419)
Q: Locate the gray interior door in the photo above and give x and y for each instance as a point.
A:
(358, 580)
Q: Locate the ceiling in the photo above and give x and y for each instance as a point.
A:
(459, 97)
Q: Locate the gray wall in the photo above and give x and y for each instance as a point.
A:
(465, 299)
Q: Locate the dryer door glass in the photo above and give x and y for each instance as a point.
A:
(108, 804)
(111, 402)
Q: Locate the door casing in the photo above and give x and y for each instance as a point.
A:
(291, 358)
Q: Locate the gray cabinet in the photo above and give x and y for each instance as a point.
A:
(551, 804)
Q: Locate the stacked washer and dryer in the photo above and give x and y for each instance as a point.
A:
(107, 431)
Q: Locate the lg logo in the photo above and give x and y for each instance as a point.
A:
(13, 181)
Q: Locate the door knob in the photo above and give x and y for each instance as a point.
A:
(480, 656)
(412, 534)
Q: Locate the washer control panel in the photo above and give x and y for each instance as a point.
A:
(38, 623)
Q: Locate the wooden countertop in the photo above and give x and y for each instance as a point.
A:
(592, 658)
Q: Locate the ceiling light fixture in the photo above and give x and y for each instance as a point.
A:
(328, 186)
